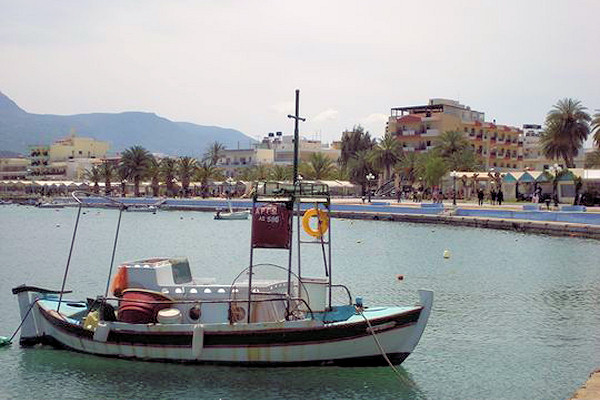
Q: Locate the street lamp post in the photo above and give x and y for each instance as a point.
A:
(453, 174)
(556, 170)
(369, 177)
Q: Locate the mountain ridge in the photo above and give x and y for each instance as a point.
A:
(20, 129)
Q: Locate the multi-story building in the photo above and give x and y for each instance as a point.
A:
(72, 153)
(275, 148)
(233, 160)
(533, 156)
(418, 127)
(13, 168)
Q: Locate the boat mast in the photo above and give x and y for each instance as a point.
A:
(296, 118)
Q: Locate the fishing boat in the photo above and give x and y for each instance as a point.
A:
(154, 309)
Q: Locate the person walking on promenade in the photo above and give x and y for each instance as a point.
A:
(480, 196)
(500, 197)
(493, 196)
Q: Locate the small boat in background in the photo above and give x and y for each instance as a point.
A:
(243, 214)
(232, 214)
(142, 208)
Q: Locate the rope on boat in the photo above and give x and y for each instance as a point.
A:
(4, 341)
(399, 376)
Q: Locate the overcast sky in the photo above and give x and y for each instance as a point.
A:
(236, 64)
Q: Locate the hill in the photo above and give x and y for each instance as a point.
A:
(19, 129)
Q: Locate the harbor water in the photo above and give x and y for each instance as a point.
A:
(515, 316)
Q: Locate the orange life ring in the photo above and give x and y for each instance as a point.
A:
(323, 222)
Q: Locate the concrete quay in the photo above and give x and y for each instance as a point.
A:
(590, 389)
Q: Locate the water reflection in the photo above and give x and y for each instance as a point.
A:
(91, 376)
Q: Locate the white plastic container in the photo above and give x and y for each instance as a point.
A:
(169, 316)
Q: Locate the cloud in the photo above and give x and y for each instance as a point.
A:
(328, 115)
(284, 107)
(376, 118)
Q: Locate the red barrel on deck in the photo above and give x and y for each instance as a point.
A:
(139, 306)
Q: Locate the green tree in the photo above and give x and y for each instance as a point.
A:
(385, 154)
(154, 174)
(122, 174)
(281, 173)
(107, 171)
(353, 141)
(136, 160)
(592, 160)
(457, 152)
(432, 168)
(205, 172)
(186, 169)
(93, 175)
(566, 128)
(407, 167)
(319, 166)
(359, 166)
(214, 152)
(168, 171)
(596, 128)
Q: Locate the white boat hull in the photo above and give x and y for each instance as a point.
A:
(302, 342)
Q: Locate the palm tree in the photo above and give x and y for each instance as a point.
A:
(432, 167)
(136, 161)
(592, 159)
(281, 173)
(386, 154)
(567, 127)
(353, 141)
(450, 142)
(154, 173)
(261, 172)
(204, 173)
(214, 152)
(407, 167)
(122, 174)
(168, 170)
(93, 175)
(319, 166)
(359, 166)
(107, 172)
(596, 128)
(186, 168)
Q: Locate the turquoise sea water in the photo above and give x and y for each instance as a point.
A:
(514, 317)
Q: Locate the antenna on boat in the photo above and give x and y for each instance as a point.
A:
(296, 118)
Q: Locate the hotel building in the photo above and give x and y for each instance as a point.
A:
(418, 127)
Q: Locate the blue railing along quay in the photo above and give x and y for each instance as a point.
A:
(533, 218)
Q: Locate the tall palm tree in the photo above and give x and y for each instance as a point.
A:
(261, 172)
(319, 166)
(359, 166)
(186, 168)
(567, 127)
(122, 175)
(386, 154)
(94, 176)
(353, 141)
(154, 173)
(432, 168)
(107, 172)
(168, 170)
(136, 161)
(592, 159)
(281, 173)
(407, 167)
(214, 152)
(596, 128)
(204, 173)
(451, 142)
